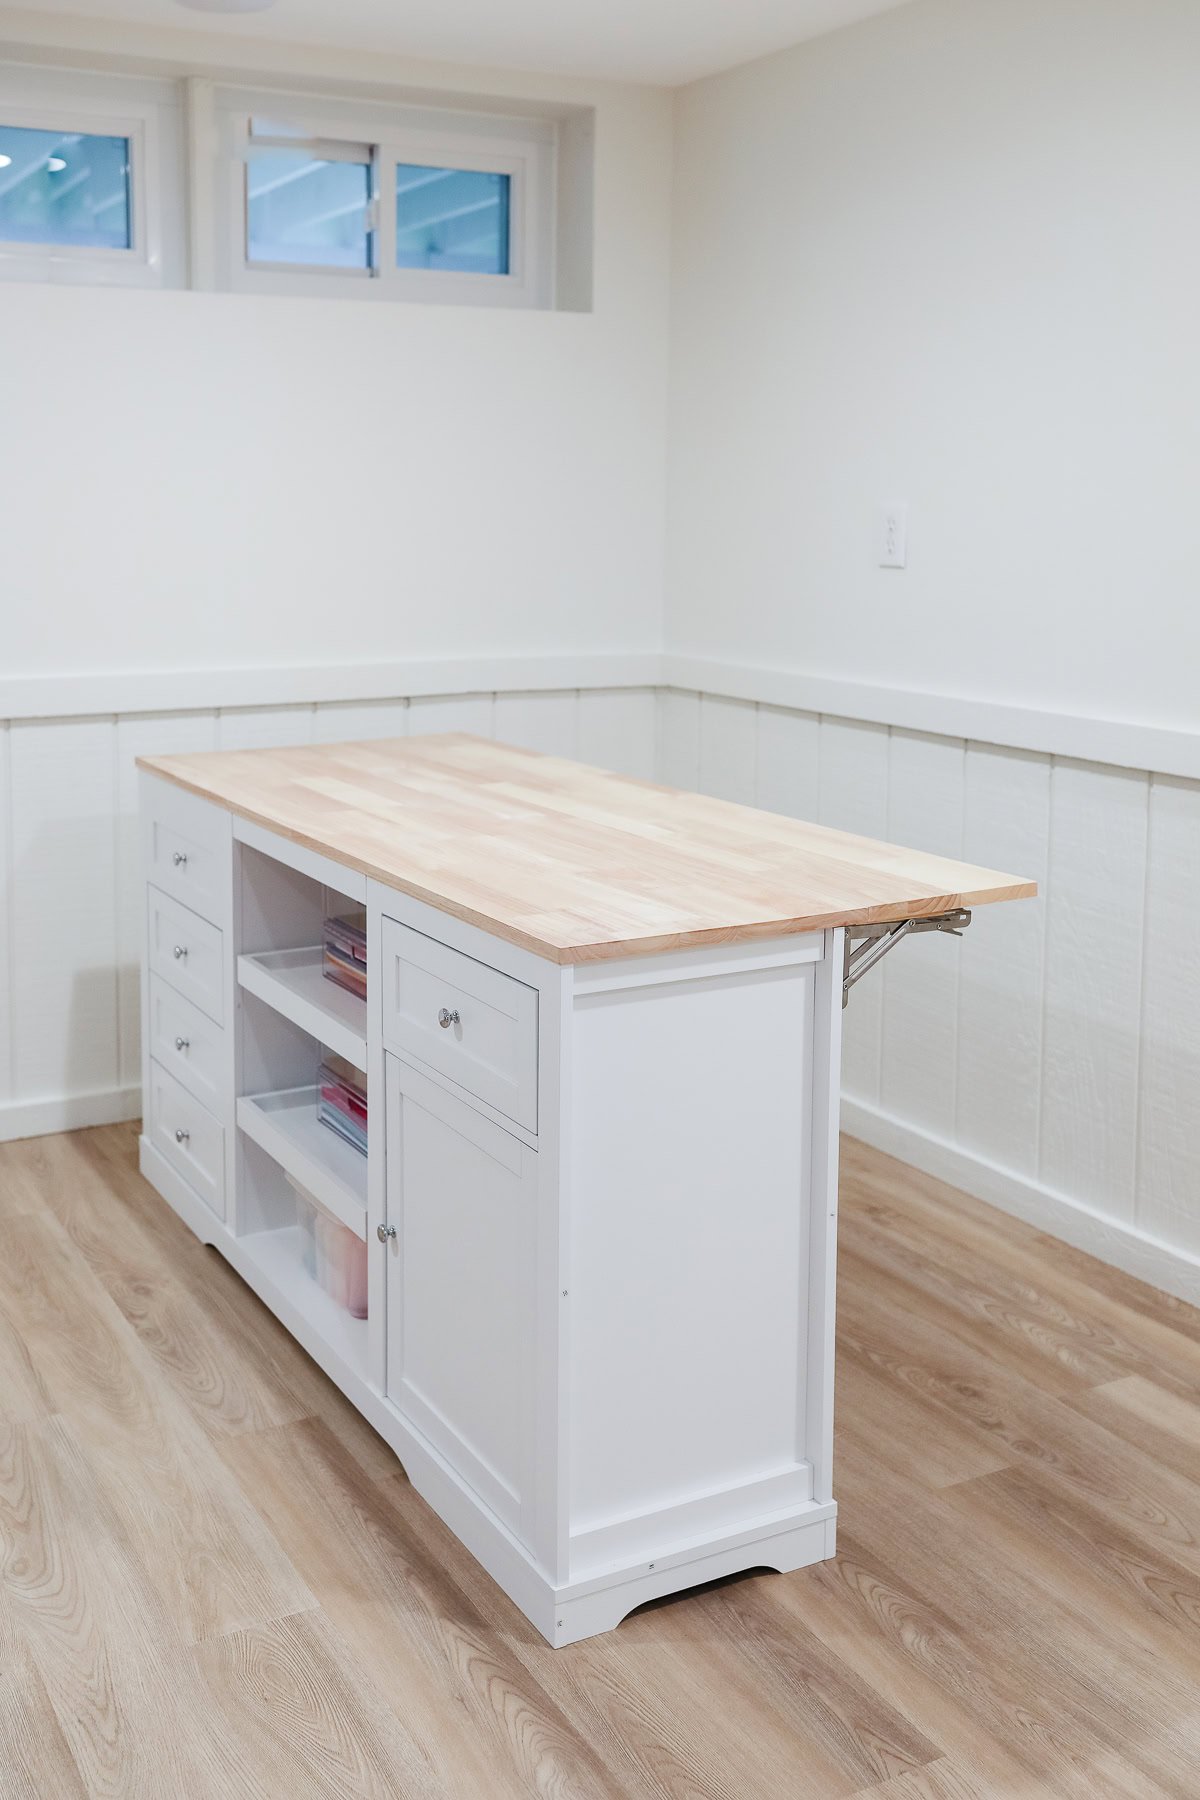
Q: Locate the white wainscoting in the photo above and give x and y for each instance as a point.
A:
(70, 924)
(1050, 1061)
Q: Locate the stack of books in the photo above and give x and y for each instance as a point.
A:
(346, 953)
(342, 1101)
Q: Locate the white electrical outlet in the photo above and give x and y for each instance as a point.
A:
(893, 534)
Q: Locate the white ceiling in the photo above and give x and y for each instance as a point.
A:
(658, 41)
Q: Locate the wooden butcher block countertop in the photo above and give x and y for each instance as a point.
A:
(573, 863)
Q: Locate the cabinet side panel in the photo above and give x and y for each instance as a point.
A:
(690, 1172)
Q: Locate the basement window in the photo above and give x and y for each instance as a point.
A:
(66, 188)
(185, 180)
(353, 200)
(308, 205)
(453, 219)
(78, 193)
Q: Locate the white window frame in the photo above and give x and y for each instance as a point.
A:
(529, 279)
(491, 156)
(141, 265)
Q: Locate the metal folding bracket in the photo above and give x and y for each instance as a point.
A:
(868, 944)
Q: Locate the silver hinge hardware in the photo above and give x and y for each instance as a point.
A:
(868, 944)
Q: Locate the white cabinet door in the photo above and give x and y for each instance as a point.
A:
(461, 1288)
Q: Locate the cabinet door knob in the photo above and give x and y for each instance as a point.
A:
(181, 1136)
(182, 1044)
(446, 1019)
(179, 858)
(180, 952)
(384, 1232)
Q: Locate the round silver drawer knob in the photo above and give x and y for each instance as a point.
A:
(180, 952)
(446, 1019)
(181, 1136)
(384, 1232)
(179, 858)
(182, 1044)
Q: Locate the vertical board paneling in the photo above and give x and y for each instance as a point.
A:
(342, 722)
(1006, 826)
(6, 890)
(1168, 1185)
(728, 748)
(261, 727)
(920, 978)
(451, 712)
(548, 722)
(853, 796)
(678, 749)
(788, 763)
(154, 734)
(64, 929)
(1064, 1048)
(1094, 923)
(616, 730)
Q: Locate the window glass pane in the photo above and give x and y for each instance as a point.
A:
(452, 219)
(64, 188)
(300, 209)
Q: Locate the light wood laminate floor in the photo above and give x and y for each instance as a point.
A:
(216, 1581)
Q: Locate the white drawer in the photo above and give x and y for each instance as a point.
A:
(185, 1132)
(489, 1047)
(187, 848)
(187, 952)
(185, 1041)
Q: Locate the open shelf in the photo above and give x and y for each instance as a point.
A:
(302, 1304)
(294, 983)
(286, 1126)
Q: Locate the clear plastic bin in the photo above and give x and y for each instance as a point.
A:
(333, 1255)
(356, 1277)
(306, 1218)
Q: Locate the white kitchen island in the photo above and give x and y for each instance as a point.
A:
(601, 1038)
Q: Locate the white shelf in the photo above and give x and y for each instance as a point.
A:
(286, 1126)
(294, 983)
(304, 1306)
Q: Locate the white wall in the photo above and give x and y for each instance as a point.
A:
(71, 896)
(192, 480)
(946, 257)
(943, 257)
(1050, 1060)
(228, 495)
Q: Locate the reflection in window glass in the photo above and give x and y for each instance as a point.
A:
(452, 219)
(300, 209)
(67, 188)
